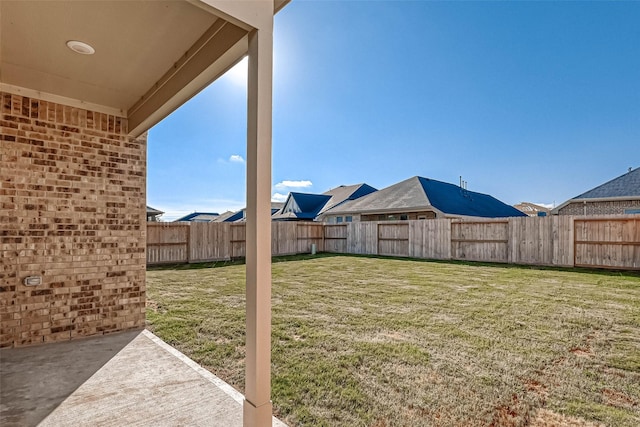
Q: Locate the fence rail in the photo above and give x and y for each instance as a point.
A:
(603, 242)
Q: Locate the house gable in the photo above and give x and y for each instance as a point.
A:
(302, 206)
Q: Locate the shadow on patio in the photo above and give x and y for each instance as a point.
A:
(131, 378)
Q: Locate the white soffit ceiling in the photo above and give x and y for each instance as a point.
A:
(136, 44)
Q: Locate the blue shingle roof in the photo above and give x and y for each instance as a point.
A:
(235, 217)
(309, 204)
(421, 193)
(362, 190)
(453, 200)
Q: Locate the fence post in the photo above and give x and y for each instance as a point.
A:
(188, 233)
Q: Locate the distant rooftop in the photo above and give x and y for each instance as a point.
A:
(627, 185)
(418, 192)
(198, 217)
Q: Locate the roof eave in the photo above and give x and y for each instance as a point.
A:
(555, 210)
(381, 211)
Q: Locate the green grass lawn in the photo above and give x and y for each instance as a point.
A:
(361, 341)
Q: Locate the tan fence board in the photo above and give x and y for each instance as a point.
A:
(612, 242)
(238, 241)
(167, 243)
(335, 238)
(209, 241)
(362, 238)
(609, 242)
(309, 233)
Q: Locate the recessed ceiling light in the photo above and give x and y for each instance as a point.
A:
(80, 47)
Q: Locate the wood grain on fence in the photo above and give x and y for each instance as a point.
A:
(480, 240)
(167, 243)
(563, 237)
(430, 239)
(238, 240)
(609, 242)
(309, 233)
(393, 238)
(335, 238)
(531, 240)
(209, 241)
(362, 238)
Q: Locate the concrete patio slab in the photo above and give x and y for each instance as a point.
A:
(130, 378)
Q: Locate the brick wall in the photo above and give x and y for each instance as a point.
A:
(72, 210)
(616, 207)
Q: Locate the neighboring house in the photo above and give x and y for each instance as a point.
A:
(198, 217)
(241, 215)
(531, 209)
(616, 197)
(276, 207)
(153, 215)
(223, 217)
(419, 198)
(344, 193)
(308, 206)
(301, 207)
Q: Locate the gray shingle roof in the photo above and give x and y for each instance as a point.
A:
(403, 195)
(153, 211)
(418, 193)
(627, 185)
(346, 192)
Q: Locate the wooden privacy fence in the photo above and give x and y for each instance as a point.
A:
(605, 242)
(174, 243)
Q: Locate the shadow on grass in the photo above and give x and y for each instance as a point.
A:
(304, 257)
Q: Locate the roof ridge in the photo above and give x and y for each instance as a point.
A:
(424, 190)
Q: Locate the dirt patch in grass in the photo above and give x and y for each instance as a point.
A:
(546, 418)
(363, 341)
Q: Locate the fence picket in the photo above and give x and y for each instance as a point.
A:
(606, 242)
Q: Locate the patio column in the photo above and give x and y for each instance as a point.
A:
(257, 403)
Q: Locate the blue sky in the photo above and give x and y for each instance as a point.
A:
(528, 101)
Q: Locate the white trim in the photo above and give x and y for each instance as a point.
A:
(49, 97)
